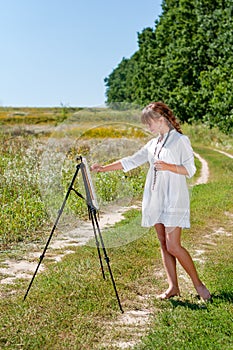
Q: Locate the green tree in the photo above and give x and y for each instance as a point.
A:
(183, 61)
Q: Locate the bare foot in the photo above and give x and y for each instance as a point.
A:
(203, 292)
(170, 293)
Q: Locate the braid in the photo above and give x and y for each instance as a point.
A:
(156, 109)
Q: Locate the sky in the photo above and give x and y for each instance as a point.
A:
(58, 52)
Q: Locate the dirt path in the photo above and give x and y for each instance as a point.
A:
(225, 153)
(60, 245)
(203, 179)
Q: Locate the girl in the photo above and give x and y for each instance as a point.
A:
(165, 202)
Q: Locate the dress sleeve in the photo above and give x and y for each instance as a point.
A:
(137, 159)
(187, 156)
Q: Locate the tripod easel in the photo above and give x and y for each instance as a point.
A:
(92, 210)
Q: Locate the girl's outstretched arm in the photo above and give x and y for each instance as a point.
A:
(110, 167)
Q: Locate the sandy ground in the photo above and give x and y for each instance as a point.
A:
(60, 245)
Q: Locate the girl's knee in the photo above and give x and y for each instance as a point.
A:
(172, 249)
(173, 240)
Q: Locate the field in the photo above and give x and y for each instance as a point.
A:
(70, 306)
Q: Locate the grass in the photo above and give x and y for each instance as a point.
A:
(70, 306)
(22, 211)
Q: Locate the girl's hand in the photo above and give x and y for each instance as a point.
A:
(96, 168)
(160, 165)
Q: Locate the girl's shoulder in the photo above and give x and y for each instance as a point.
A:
(181, 141)
(180, 137)
(151, 142)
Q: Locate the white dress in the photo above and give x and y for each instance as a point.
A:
(167, 200)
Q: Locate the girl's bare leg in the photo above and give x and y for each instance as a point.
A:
(169, 262)
(174, 247)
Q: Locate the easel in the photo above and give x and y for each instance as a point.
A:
(92, 210)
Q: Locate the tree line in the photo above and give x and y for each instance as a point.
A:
(185, 60)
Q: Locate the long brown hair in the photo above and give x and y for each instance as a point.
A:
(158, 109)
